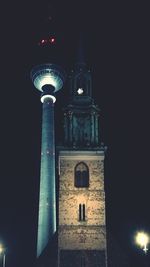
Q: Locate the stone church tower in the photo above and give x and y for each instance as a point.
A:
(81, 222)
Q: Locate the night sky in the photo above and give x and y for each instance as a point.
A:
(117, 53)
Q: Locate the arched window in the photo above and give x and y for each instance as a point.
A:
(81, 175)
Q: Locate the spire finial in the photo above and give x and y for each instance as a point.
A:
(80, 61)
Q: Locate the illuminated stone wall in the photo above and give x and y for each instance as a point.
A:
(91, 233)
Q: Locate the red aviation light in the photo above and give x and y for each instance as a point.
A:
(42, 42)
(52, 40)
(48, 41)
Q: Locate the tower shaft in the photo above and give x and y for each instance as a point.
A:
(82, 224)
(47, 198)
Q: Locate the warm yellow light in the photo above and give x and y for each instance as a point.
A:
(1, 249)
(142, 239)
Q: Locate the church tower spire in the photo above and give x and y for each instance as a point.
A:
(81, 123)
(80, 77)
(80, 61)
(81, 222)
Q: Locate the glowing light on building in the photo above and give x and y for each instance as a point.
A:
(80, 91)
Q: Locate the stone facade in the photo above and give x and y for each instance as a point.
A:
(74, 234)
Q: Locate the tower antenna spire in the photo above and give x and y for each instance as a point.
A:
(80, 57)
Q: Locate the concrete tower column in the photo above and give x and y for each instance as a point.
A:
(48, 78)
(47, 198)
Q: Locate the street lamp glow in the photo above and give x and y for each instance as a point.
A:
(142, 239)
(1, 249)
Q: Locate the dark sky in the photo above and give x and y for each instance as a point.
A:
(117, 46)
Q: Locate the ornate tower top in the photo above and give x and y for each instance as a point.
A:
(80, 79)
(81, 116)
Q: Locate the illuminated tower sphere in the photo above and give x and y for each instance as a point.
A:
(47, 78)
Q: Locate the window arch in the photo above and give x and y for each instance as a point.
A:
(81, 175)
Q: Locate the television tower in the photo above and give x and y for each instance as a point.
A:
(48, 79)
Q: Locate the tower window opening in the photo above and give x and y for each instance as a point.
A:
(81, 175)
(81, 212)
